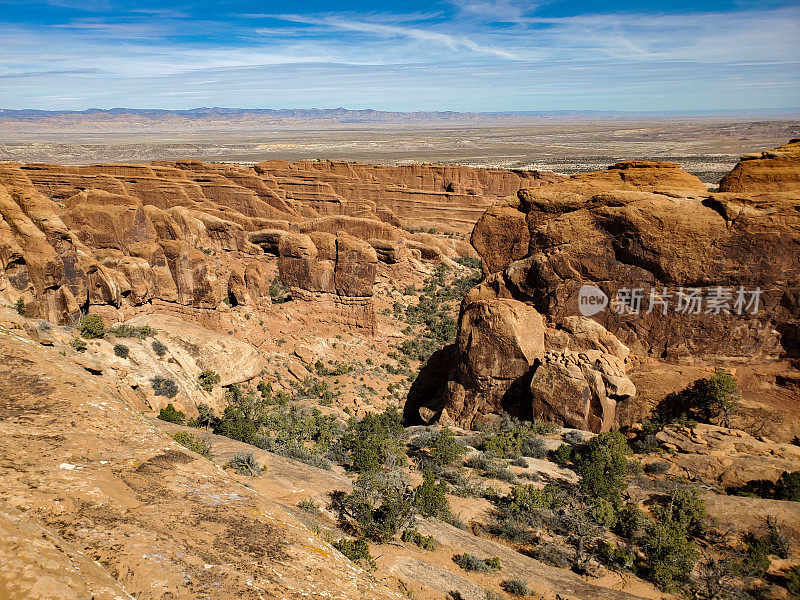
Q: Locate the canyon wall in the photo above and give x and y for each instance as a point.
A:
(118, 238)
(638, 261)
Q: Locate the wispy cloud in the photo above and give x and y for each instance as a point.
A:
(452, 42)
(465, 55)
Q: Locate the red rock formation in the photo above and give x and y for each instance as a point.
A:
(191, 233)
(637, 226)
(777, 170)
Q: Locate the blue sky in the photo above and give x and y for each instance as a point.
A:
(462, 55)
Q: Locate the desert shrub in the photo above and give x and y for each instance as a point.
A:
(190, 441)
(656, 468)
(713, 400)
(501, 474)
(159, 348)
(514, 438)
(376, 441)
(412, 535)
(562, 455)
(19, 306)
(670, 554)
(631, 521)
(131, 331)
(534, 447)
(516, 587)
(379, 506)
(445, 448)
(788, 486)
(687, 507)
(574, 437)
(793, 581)
(164, 386)
(278, 292)
(121, 350)
(92, 326)
(172, 415)
(478, 462)
(603, 513)
(205, 417)
(356, 550)
(208, 379)
(527, 497)
(245, 463)
(430, 497)
(309, 505)
(604, 467)
(470, 562)
(519, 462)
(78, 344)
(512, 526)
(760, 545)
(616, 556)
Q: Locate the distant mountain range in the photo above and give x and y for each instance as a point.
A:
(215, 118)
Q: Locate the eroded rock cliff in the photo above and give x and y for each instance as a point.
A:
(116, 239)
(676, 272)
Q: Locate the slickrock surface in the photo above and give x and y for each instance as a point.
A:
(107, 486)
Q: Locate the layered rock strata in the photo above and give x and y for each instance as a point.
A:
(639, 258)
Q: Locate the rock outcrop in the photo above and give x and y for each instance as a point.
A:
(776, 170)
(98, 503)
(673, 270)
(335, 270)
(118, 238)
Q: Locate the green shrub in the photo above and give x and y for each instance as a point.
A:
(687, 507)
(171, 415)
(92, 326)
(562, 455)
(412, 535)
(379, 506)
(430, 497)
(121, 350)
(527, 497)
(357, 551)
(208, 379)
(78, 344)
(205, 417)
(159, 348)
(245, 463)
(631, 521)
(445, 448)
(376, 441)
(19, 306)
(516, 587)
(788, 486)
(188, 440)
(604, 467)
(163, 386)
(470, 562)
(309, 505)
(131, 331)
(670, 554)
